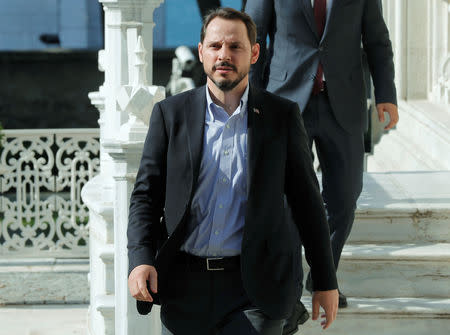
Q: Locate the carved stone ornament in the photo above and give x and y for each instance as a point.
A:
(42, 211)
(137, 100)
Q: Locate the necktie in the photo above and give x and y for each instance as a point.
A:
(320, 14)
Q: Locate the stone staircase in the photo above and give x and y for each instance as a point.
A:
(395, 268)
(419, 142)
(43, 319)
(35, 281)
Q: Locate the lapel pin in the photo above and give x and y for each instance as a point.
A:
(256, 110)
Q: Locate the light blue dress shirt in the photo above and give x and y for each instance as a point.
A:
(218, 207)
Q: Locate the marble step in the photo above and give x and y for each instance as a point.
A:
(43, 320)
(394, 316)
(403, 207)
(389, 271)
(396, 152)
(400, 226)
(420, 140)
(44, 281)
(400, 316)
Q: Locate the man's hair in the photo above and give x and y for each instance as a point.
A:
(230, 14)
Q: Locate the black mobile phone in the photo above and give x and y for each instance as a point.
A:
(145, 307)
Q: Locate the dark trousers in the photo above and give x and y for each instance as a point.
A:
(341, 157)
(211, 303)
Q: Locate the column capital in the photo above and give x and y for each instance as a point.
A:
(131, 3)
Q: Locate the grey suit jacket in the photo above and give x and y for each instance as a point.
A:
(289, 65)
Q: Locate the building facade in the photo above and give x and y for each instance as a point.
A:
(420, 36)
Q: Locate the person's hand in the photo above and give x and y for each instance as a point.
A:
(392, 110)
(137, 282)
(329, 301)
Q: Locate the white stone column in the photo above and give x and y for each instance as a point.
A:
(125, 101)
(440, 52)
(420, 36)
(418, 41)
(395, 17)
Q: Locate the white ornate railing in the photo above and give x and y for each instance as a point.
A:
(42, 172)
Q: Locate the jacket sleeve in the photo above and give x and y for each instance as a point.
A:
(262, 12)
(305, 201)
(146, 228)
(378, 47)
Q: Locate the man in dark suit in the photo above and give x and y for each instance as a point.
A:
(207, 226)
(314, 58)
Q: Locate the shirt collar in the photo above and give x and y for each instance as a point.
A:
(212, 108)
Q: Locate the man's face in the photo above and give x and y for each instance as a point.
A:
(226, 53)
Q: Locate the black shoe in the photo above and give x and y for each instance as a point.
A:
(342, 300)
(298, 316)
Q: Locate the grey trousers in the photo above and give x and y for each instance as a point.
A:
(341, 157)
(212, 303)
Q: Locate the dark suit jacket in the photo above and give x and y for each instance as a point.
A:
(290, 64)
(279, 167)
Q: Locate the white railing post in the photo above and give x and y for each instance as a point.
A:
(125, 101)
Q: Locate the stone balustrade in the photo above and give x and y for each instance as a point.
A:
(42, 173)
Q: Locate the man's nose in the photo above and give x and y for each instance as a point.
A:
(224, 53)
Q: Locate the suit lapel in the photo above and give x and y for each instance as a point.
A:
(330, 16)
(255, 132)
(195, 120)
(308, 11)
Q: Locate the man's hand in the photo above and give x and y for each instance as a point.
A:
(329, 301)
(137, 282)
(392, 110)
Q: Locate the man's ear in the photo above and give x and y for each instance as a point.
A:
(255, 53)
(200, 50)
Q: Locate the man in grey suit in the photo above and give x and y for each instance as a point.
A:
(314, 58)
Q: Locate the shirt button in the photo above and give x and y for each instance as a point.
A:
(228, 126)
(226, 152)
(220, 206)
(224, 180)
(216, 232)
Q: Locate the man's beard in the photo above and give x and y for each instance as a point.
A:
(226, 85)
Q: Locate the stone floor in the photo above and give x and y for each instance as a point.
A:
(395, 267)
(71, 319)
(43, 320)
